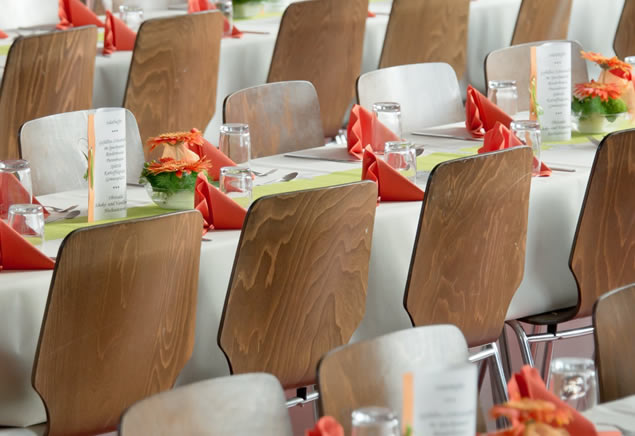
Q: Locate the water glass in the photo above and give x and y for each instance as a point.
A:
(374, 421)
(573, 379)
(226, 8)
(237, 183)
(401, 155)
(107, 4)
(28, 221)
(528, 131)
(388, 114)
(132, 15)
(503, 93)
(15, 185)
(235, 143)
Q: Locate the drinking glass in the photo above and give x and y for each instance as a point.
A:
(226, 8)
(235, 143)
(503, 93)
(388, 114)
(528, 131)
(374, 421)
(132, 15)
(28, 220)
(107, 4)
(401, 155)
(15, 185)
(630, 60)
(573, 380)
(237, 183)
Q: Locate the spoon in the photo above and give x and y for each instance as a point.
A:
(72, 214)
(286, 178)
(68, 216)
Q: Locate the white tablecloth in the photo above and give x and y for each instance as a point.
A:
(616, 415)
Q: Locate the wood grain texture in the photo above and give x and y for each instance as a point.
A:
(514, 63)
(282, 117)
(119, 320)
(427, 31)
(298, 286)
(624, 43)
(321, 41)
(614, 323)
(469, 252)
(174, 73)
(45, 75)
(542, 20)
(240, 405)
(603, 253)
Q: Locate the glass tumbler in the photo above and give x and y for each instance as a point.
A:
(374, 421)
(235, 143)
(28, 221)
(503, 93)
(388, 114)
(237, 183)
(132, 15)
(573, 380)
(528, 131)
(401, 155)
(630, 60)
(15, 185)
(226, 8)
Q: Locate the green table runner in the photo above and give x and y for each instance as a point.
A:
(4, 50)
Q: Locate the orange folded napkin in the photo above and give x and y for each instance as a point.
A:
(205, 5)
(3, 35)
(218, 158)
(117, 35)
(528, 384)
(371, 14)
(219, 211)
(392, 185)
(359, 131)
(74, 13)
(16, 253)
(326, 426)
(499, 138)
(8, 183)
(481, 114)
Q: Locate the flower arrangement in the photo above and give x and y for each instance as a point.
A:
(530, 417)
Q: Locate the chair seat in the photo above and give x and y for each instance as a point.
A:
(551, 318)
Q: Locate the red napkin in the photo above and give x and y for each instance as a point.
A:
(8, 183)
(74, 13)
(16, 253)
(3, 35)
(212, 153)
(371, 14)
(205, 5)
(393, 186)
(499, 138)
(360, 131)
(326, 426)
(219, 211)
(117, 36)
(481, 114)
(528, 384)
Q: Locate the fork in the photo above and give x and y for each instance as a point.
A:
(60, 210)
(266, 173)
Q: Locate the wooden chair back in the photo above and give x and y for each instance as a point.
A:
(370, 373)
(174, 73)
(241, 405)
(427, 31)
(429, 94)
(119, 321)
(469, 253)
(624, 43)
(321, 41)
(298, 286)
(45, 75)
(603, 253)
(542, 20)
(514, 63)
(56, 148)
(613, 322)
(282, 116)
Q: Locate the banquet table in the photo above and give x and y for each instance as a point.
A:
(548, 284)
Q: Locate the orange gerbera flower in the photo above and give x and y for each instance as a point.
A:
(179, 167)
(194, 137)
(605, 91)
(614, 65)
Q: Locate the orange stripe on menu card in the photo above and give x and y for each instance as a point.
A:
(407, 405)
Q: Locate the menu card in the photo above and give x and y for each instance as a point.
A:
(551, 71)
(107, 164)
(440, 401)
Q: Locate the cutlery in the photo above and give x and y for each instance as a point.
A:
(256, 32)
(60, 210)
(442, 135)
(259, 174)
(285, 178)
(70, 215)
(593, 140)
(206, 239)
(562, 169)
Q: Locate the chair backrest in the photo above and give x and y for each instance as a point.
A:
(469, 253)
(56, 147)
(542, 20)
(321, 41)
(427, 31)
(45, 75)
(370, 373)
(119, 321)
(429, 94)
(298, 286)
(514, 63)
(240, 405)
(614, 322)
(603, 253)
(624, 43)
(174, 73)
(282, 116)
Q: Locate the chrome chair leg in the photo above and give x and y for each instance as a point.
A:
(523, 343)
(500, 372)
(546, 361)
(504, 352)
(499, 388)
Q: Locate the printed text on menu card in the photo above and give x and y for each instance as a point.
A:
(107, 164)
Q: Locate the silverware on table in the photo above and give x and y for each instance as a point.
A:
(562, 169)
(285, 178)
(70, 215)
(256, 32)
(445, 136)
(61, 210)
(266, 173)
